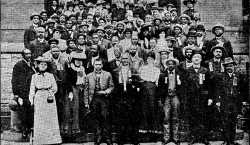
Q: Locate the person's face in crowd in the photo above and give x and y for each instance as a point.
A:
(148, 19)
(98, 65)
(70, 8)
(78, 62)
(51, 25)
(138, 22)
(167, 22)
(81, 40)
(55, 52)
(108, 18)
(200, 33)
(229, 68)
(177, 30)
(164, 56)
(42, 66)
(44, 16)
(171, 65)
(89, 19)
(60, 9)
(157, 22)
(114, 22)
(85, 28)
(174, 14)
(128, 34)
(184, 20)
(102, 23)
(62, 19)
(125, 60)
(133, 50)
(97, 14)
(41, 32)
(152, 43)
(162, 34)
(109, 31)
(146, 33)
(69, 24)
(218, 31)
(73, 20)
(120, 27)
(150, 60)
(135, 39)
(196, 59)
(94, 50)
(129, 25)
(36, 19)
(169, 8)
(81, 29)
(190, 5)
(217, 53)
(115, 40)
(81, 7)
(79, 20)
(27, 55)
(54, 3)
(169, 43)
(168, 15)
(188, 54)
(57, 35)
(72, 44)
(191, 40)
(100, 33)
(95, 38)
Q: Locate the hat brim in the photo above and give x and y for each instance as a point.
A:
(174, 60)
(51, 41)
(213, 29)
(31, 17)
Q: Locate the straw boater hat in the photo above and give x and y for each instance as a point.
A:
(172, 59)
(185, 16)
(218, 26)
(43, 59)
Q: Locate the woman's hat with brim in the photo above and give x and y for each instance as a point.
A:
(178, 26)
(170, 5)
(218, 26)
(172, 59)
(50, 21)
(78, 55)
(35, 14)
(42, 59)
(120, 23)
(100, 2)
(228, 60)
(185, 16)
(218, 47)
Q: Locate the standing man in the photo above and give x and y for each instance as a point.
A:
(21, 79)
(99, 86)
(30, 34)
(218, 31)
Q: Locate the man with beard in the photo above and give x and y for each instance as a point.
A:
(21, 79)
(227, 101)
(216, 69)
(187, 62)
(30, 34)
(198, 80)
(218, 31)
(98, 87)
(39, 45)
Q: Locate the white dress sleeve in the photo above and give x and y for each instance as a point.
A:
(32, 89)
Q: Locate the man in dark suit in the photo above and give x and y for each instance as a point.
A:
(99, 86)
(21, 78)
(218, 31)
(30, 33)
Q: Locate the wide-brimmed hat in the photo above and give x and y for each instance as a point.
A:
(178, 26)
(100, 28)
(35, 14)
(53, 40)
(185, 16)
(218, 25)
(200, 27)
(218, 47)
(228, 60)
(172, 59)
(43, 59)
(192, 1)
(120, 23)
(49, 21)
(100, 2)
(170, 5)
(78, 55)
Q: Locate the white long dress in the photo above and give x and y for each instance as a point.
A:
(46, 127)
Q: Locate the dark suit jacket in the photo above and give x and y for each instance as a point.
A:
(21, 79)
(29, 35)
(106, 84)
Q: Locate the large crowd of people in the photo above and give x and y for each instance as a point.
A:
(126, 66)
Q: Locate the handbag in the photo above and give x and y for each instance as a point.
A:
(50, 98)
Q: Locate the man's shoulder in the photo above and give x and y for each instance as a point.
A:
(20, 64)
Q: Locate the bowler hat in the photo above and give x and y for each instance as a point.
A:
(34, 14)
(218, 25)
(172, 59)
(191, 1)
(200, 27)
(53, 40)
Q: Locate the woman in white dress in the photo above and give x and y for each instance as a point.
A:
(42, 90)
